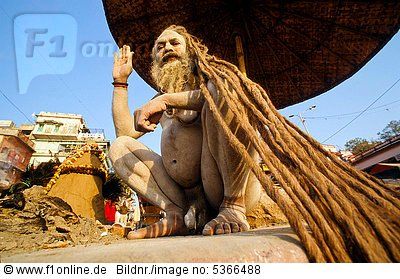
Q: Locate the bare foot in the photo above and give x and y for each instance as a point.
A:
(172, 224)
(228, 221)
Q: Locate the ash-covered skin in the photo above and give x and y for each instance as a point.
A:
(194, 152)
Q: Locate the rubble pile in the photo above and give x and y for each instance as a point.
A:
(47, 222)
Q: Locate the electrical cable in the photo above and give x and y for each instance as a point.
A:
(15, 106)
(362, 112)
(69, 90)
(349, 113)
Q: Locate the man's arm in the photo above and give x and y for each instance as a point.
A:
(189, 100)
(123, 120)
(149, 115)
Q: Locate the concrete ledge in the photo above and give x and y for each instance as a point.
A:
(274, 244)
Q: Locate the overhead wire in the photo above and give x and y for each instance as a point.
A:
(349, 114)
(69, 90)
(19, 110)
(363, 111)
(15, 106)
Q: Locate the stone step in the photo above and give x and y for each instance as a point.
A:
(273, 244)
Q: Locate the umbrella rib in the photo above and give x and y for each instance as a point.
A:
(331, 22)
(195, 31)
(300, 59)
(322, 44)
(147, 18)
(318, 42)
(255, 51)
(282, 71)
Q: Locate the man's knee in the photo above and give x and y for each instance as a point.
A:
(118, 147)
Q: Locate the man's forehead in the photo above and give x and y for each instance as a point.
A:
(168, 35)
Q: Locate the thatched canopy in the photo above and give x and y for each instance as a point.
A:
(294, 49)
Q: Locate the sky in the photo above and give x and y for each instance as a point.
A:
(71, 63)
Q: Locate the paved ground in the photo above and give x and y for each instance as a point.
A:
(274, 244)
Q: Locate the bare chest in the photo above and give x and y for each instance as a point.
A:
(181, 144)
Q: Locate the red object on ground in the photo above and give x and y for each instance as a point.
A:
(109, 211)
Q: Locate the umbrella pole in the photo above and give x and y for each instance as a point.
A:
(240, 54)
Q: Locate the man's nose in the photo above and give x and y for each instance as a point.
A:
(168, 47)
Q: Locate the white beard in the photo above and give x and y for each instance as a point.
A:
(172, 76)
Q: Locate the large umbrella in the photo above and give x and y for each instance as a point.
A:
(294, 49)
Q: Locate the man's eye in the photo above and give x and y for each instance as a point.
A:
(175, 43)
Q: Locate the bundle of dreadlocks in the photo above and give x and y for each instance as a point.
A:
(340, 214)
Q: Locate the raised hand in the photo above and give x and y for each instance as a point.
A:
(122, 64)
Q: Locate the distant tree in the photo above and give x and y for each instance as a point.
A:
(359, 145)
(392, 129)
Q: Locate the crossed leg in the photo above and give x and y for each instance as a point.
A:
(143, 170)
(228, 183)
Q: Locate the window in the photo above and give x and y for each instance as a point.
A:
(48, 128)
(56, 128)
(40, 128)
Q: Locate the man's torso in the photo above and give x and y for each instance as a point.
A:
(181, 144)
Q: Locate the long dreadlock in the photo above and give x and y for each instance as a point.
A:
(340, 214)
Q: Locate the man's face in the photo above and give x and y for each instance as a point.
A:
(169, 46)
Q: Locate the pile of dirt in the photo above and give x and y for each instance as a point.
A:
(47, 222)
(266, 214)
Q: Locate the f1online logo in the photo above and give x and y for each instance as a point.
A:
(44, 44)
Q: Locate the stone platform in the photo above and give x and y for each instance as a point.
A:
(273, 244)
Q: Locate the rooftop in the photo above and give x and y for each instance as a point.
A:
(392, 141)
(58, 114)
(18, 134)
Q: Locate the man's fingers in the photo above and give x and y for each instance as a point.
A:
(135, 119)
(146, 127)
(125, 52)
(130, 55)
(115, 57)
(141, 123)
(153, 127)
(155, 118)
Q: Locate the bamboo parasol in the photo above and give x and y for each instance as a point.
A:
(294, 49)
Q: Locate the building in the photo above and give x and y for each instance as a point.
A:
(57, 134)
(16, 150)
(26, 129)
(342, 154)
(382, 160)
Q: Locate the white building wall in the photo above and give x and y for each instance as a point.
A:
(58, 125)
(57, 134)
